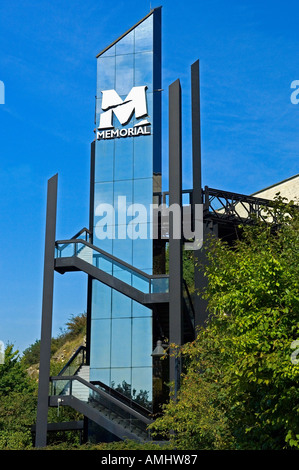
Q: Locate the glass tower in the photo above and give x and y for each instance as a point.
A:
(126, 171)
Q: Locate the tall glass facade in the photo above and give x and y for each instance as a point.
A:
(128, 167)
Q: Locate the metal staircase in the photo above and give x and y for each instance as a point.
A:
(78, 254)
(98, 402)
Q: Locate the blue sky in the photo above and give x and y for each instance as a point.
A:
(249, 56)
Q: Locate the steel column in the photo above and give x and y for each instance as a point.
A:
(47, 309)
(175, 244)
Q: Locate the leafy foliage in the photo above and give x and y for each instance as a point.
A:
(240, 389)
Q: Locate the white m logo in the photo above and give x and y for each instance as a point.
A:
(123, 110)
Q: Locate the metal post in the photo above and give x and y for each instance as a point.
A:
(47, 308)
(175, 244)
(199, 257)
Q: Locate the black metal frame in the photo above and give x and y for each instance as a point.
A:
(47, 309)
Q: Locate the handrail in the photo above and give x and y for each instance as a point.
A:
(113, 258)
(106, 395)
(119, 395)
(72, 359)
(74, 237)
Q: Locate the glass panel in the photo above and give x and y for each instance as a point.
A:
(142, 342)
(123, 249)
(121, 381)
(123, 168)
(124, 74)
(109, 52)
(104, 160)
(103, 375)
(141, 283)
(125, 45)
(121, 343)
(160, 285)
(100, 342)
(124, 191)
(103, 244)
(60, 387)
(122, 305)
(140, 310)
(143, 194)
(142, 383)
(144, 70)
(103, 195)
(101, 300)
(144, 35)
(143, 157)
(103, 263)
(143, 253)
(105, 74)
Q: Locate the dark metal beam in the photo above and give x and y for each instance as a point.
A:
(47, 308)
(175, 244)
(197, 198)
(196, 133)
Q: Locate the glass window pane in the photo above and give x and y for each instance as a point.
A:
(144, 70)
(142, 342)
(121, 304)
(124, 74)
(106, 74)
(100, 343)
(126, 44)
(143, 253)
(123, 249)
(143, 157)
(103, 375)
(144, 35)
(109, 52)
(123, 197)
(142, 383)
(121, 380)
(121, 343)
(140, 310)
(143, 194)
(123, 168)
(104, 160)
(103, 195)
(101, 300)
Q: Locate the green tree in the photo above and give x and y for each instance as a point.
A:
(18, 398)
(240, 388)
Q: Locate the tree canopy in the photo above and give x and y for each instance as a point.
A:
(240, 385)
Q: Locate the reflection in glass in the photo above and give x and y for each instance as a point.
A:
(104, 160)
(144, 70)
(123, 168)
(121, 381)
(143, 165)
(103, 375)
(103, 194)
(124, 74)
(142, 385)
(106, 74)
(122, 249)
(143, 253)
(139, 310)
(122, 305)
(101, 300)
(142, 342)
(100, 342)
(144, 36)
(121, 343)
(126, 44)
(109, 52)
